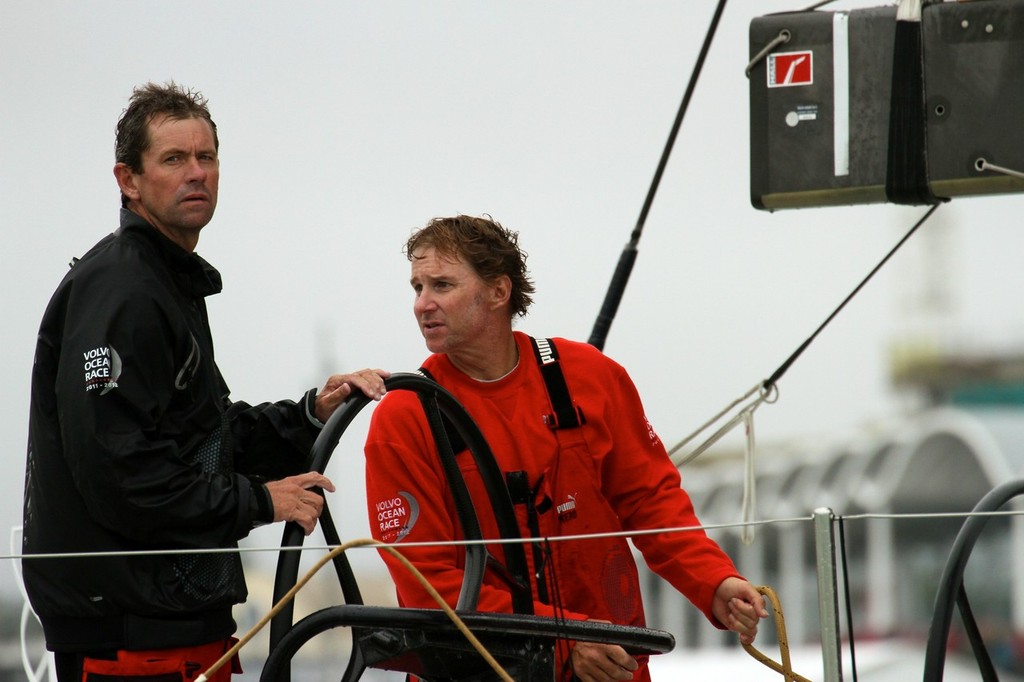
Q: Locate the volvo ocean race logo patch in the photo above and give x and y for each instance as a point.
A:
(650, 431)
(102, 368)
(396, 516)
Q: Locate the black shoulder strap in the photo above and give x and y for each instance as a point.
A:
(457, 443)
(566, 415)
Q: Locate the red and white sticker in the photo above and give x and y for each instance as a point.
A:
(788, 69)
(396, 516)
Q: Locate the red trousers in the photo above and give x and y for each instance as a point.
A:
(162, 665)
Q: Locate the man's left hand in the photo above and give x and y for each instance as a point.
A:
(340, 386)
(739, 606)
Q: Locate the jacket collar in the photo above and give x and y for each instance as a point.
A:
(194, 276)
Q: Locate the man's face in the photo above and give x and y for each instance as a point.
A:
(452, 303)
(177, 189)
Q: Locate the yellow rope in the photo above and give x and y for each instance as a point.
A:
(786, 667)
(233, 651)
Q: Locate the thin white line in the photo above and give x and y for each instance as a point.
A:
(929, 515)
(841, 92)
(502, 541)
(791, 71)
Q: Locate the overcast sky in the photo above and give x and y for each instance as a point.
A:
(345, 125)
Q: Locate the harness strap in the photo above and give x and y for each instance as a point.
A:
(565, 415)
(454, 438)
(519, 490)
(464, 508)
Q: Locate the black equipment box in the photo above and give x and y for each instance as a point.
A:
(820, 113)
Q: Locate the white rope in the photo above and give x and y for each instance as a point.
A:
(711, 421)
(749, 482)
(43, 669)
(909, 10)
(746, 416)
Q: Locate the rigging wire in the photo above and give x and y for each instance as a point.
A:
(769, 388)
(846, 595)
(784, 367)
(620, 277)
(769, 393)
(704, 527)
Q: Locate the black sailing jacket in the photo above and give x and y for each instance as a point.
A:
(134, 445)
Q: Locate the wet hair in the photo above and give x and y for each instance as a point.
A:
(148, 101)
(490, 249)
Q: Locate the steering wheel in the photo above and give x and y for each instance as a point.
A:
(425, 642)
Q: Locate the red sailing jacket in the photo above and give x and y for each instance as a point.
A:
(610, 474)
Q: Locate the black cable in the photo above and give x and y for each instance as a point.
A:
(558, 605)
(770, 382)
(625, 266)
(970, 623)
(951, 582)
(846, 595)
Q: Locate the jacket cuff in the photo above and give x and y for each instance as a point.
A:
(309, 403)
(261, 506)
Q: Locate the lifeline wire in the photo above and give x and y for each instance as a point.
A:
(628, 257)
(374, 544)
(505, 541)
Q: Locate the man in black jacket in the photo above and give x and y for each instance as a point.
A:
(134, 444)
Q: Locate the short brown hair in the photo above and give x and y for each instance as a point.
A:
(147, 101)
(490, 249)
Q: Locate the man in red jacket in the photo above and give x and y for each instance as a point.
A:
(577, 451)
